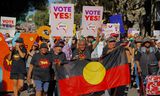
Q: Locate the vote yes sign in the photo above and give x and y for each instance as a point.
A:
(8, 22)
(62, 18)
(91, 20)
(110, 28)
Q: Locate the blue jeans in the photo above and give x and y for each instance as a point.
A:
(137, 77)
(41, 86)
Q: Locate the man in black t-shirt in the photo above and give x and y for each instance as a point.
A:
(58, 59)
(18, 69)
(41, 66)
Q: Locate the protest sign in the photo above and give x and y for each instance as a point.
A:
(91, 20)
(62, 18)
(29, 39)
(110, 28)
(156, 33)
(44, 31)
(8, 22)
(132, 32)
(117, 19)
(8, 25)
(10, 31)
(6, 82)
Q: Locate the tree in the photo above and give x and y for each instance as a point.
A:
(41, 18)
(18, 8)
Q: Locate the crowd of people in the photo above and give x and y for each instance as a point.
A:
(37, 65)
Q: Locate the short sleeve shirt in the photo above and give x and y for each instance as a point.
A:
(86, 53)
(18, 63)
(41, 66)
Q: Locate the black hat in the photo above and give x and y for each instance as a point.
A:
(60, 44)
(19, 40)
(138, 40)
(44, 45)
(111, 39)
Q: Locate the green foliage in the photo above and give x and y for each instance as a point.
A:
(77, 19)
(41, 18)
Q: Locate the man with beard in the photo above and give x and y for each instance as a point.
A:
(84, 48)
(58, 59)
(147, 58)
(111, 47)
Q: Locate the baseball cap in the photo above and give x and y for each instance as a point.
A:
(19, 40)
(44, 45)
(146, 39)
(111, 39)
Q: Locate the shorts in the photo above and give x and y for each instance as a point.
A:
(41, 85)
(17, 76)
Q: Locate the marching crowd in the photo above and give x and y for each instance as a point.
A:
(37, 65)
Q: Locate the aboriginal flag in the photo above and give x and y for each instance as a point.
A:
(4, 49)
(71, 78)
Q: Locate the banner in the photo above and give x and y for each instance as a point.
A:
(91, 20)
(110, 28)
(117, 19)
(5, 65)
(82, 76)
(62, 19)
(1, 78)
(29, 39)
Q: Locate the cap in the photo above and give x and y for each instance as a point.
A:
(60, 44)
(19, 40)
(138, 40)
(44, 45)
(146, 39)
(111, 39)
(35, 44)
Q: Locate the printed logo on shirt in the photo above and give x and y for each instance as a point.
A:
(44, 63)
(57, 61)
(16, 57)
(7, 63)
(82, 56)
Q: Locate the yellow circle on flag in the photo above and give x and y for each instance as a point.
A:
(94, 73)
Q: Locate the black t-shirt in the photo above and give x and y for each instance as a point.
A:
(86, 53)
(139, 52)
(60, 57)
(18, 63)
(42, 66)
